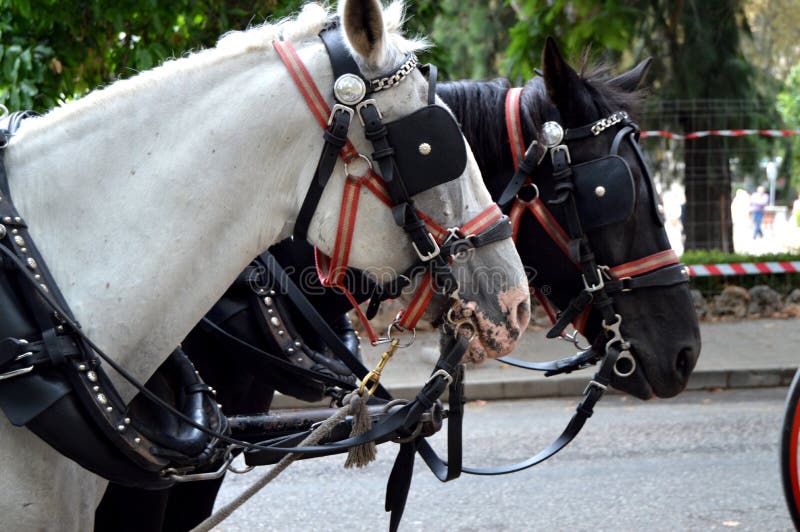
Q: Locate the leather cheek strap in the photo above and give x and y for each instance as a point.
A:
(669, 276)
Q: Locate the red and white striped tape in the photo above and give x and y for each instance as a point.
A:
(743, 268)
(722, 133)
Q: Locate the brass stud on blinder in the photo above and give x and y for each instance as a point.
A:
(425, 148)
(600, 191)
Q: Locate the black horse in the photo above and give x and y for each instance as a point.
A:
(659, 321)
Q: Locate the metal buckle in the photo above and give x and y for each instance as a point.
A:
(454, 233)
(442, 373)
(364, 104)
(340, 107)
(622, 281)
(595, 287)
(594, 384)
(428, 256)
(561, 147)
(21, 371)
(16, 372)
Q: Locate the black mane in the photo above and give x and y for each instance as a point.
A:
(479, 106)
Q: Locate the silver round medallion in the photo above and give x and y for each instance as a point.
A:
(600, 191)
(425, 148)
(349, 89)
(552, 134)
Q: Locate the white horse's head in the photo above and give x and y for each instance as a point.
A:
(147, 198)
(492, 284)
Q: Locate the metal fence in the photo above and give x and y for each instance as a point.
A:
(714, 153)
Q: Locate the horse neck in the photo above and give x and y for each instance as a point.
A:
(147, 199)
(479, 106)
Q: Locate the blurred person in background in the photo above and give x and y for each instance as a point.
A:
(758, 202)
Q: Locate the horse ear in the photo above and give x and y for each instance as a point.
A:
(363, 26)
(560, 79)
(629, 81)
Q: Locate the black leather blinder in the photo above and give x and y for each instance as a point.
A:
(429, 148)
(604, 191)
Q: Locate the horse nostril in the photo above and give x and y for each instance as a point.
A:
(683, 363)
(523, 315)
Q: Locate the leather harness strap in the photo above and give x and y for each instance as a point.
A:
(426, 235)
(573, 241)
(514, 125)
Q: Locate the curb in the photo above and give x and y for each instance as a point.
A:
(573, 386)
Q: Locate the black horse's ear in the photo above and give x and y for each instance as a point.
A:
(561, 80)
(630, 81)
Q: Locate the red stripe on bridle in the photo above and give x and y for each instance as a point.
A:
(668, 257)
(332, 270)
(514, 125)
(305, 83)
(422, 297)
(553, 228)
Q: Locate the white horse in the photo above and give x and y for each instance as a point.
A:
(147, 198)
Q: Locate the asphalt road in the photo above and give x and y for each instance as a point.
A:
(702, 461)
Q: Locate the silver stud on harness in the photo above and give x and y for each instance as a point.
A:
(552, 134)
(349, 89)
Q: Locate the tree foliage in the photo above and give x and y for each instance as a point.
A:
(53, 50)
(788, 105)
(775, 45)
(603, 25)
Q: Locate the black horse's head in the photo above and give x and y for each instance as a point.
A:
(617, 206)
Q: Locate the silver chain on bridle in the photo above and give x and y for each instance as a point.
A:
(606, 123)
(389, 81)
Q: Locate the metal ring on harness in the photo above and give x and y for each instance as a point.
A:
(396, 325)
(244, 470)
(457, 324)
(629, 360)
(357, 156)
(624, 354)
(177, 476)
(535, 189)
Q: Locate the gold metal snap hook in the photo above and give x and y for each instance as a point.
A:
(373, 378)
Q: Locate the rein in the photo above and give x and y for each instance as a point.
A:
(600, 282)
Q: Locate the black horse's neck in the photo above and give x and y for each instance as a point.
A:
(479, 106)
